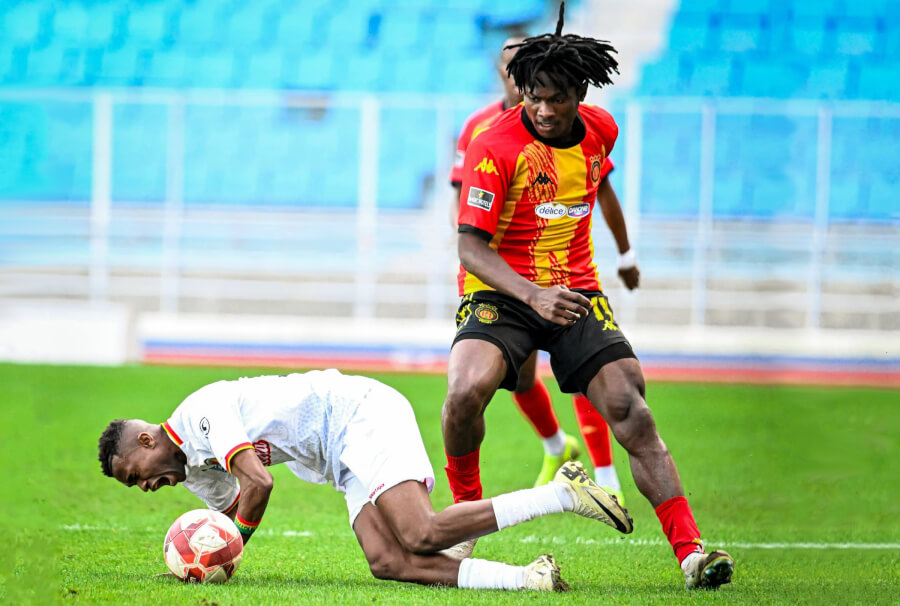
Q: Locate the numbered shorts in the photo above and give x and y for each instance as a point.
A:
(576, 351)
(382, 448)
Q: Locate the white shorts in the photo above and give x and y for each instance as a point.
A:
(382, 448)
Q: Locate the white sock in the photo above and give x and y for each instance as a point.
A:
(523, 505)
(607, 477)
(555, 445)
(485, 574)
(687, 561)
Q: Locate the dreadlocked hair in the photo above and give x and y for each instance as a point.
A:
(109, 445)
(568, 61)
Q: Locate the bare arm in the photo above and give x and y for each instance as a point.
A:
(615, 220)
(557, 304)
(256, 486)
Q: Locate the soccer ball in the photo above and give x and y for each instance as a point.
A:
(203, 546)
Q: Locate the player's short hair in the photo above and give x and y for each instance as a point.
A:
(569, 61)
(109, 445)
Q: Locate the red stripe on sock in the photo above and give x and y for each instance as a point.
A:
(594, 430)
(464, 476)
(678, 523)
(537, 406)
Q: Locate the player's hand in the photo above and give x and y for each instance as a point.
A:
(560, 305)
(631, 276)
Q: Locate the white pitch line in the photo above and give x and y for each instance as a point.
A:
(724, 544)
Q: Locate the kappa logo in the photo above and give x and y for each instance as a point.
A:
(480, 198)
(542, 179)
(487, 166)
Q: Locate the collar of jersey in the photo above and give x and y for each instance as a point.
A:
(571, 140)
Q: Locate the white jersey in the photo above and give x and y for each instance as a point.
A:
(297, 419)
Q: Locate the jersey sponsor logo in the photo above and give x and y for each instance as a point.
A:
(263, 452)
(480, 198)
(542, 179)
(486, 314)
(204, 426)
(550, 210)
(487, 166)
(576, 211)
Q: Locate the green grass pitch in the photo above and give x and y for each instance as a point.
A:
(817, 470)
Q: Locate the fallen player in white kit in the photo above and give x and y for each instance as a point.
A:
(361, 436)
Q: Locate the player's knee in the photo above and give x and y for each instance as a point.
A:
(418, 540)
(636, 430)
(385, 565)
(465, 400)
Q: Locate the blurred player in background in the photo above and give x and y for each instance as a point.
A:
(531, 394)
(359, 435)
(529, 282)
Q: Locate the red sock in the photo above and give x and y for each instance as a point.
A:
(537, 407)
(678, 523)
(464, 476)
(594, 430)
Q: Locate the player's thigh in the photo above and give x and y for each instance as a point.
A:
(527, 374)
(383, 446)
(579, 351)
(491, 328)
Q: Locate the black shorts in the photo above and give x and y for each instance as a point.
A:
(576, 351)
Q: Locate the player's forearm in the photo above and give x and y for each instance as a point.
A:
(252, 507)
(478, 258)
(612, 214)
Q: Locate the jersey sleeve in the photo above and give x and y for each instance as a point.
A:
(465, 137)
(214, 417)
(218, 489)
(485, 184)
(607, 168)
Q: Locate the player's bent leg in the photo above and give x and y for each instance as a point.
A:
(408, 511)
(617, 391)
(388, 560)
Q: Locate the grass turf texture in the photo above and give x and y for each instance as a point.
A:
(760, 465)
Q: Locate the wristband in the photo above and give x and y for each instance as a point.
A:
(627, 259)
(246, 528)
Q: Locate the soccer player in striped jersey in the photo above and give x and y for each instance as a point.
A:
(531, 394)
(528, 281)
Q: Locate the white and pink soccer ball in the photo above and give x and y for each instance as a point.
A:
(203, 546)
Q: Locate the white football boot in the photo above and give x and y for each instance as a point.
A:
(543, 575)
(590, 500)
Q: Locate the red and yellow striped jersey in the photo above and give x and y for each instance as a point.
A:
(535, 201)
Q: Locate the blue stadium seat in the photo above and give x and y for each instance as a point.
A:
(44, 65)
(263, 70)
(22, 23)
(411, 73)
(469, 74)
(772, 195)
(297, 28)
(819, 9)
(663, 77)
(883, 196)
(741, 36)
(711, 76)
(363, 70)
(198, 26)
(70, 24)
(401, 30)
(246, 28)
(149, 24)
(210, 70)
(119, 67)
(12, 63)
(702, 7)
(827, 79)
(878, 81)
(350, 27)
(752, 8)
(854, 41)
(669, 193)
(312, 70)
(166, 68)
(771, 78)
(869, 9)
(728, 195)
(455, 31)
(808, 38)
(502, 13)
(846, 198)
(690, 35)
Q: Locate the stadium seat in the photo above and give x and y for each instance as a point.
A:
(741, 36)
(149, 24)
(263, 70)
(411, 73)
(197, 26)
(364, 71)
(690, 35)
(350, 27)
(818, 10)
(401, 30)
(209, 70)
(470, 74)
(70, 24)
(312, 70)
(853, 41)
(453, 31)
(710, 76)
(878, 81)
(752, 8)
(771, 78)
(508, 12)
(702, 7)
(808, 38)
(869, 9)
(772, 195)
(22, 23)
(296, 29)
(827, 79)
(120, 67)
(662, 77)
(883, 197)
(248, 27)
(166, 68)
(728, 195)
(44, 65)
